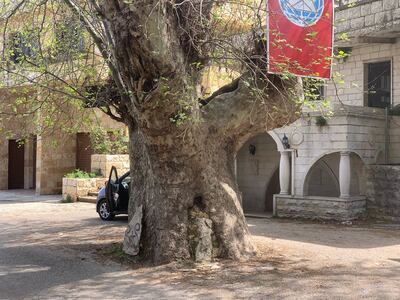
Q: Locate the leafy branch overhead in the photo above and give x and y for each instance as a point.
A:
(69, 49)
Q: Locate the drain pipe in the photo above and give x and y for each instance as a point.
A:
(386, 136)
(294, 153)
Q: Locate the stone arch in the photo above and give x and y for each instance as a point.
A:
(255, 170)
(322, 177)
(277, 140)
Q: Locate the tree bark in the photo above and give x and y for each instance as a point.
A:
(172, 184)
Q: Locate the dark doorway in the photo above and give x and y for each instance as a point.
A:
(272, 189)
(16, 165)
(83, 152)
(34, 161)
(379, 84)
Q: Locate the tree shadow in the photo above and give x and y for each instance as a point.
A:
(359, 236)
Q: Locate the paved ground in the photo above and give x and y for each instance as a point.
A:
(51, 250)
(25, 196)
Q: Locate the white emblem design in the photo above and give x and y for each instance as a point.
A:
(303, 13)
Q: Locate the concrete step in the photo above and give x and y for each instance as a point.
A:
(94, 194)
(88, 199)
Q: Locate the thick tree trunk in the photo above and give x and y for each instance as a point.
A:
(182, 153)
(177, 177)
(180, 173)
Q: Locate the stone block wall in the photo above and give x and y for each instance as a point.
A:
(365, 17)
(383, 191)
(103, 162)
(80, 187)
(29, 168)
(319, 208)
(351, 91)
(56, 156)
(394, 140)
(3, 164)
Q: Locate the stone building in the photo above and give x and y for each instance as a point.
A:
(41, 161)
(341, 166)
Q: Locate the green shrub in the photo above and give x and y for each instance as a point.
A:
(67, 199)
(395, 111)
(81, 174)
(321, 121)
(109, 142)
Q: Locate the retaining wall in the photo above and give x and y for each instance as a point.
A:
(319, 208)
(383, 192)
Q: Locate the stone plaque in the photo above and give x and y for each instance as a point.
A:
(133, 232)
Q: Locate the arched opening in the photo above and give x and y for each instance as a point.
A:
(258, 173)
(323, 177)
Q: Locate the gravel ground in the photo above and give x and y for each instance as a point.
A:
(50, 250)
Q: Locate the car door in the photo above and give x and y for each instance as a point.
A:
(112, 189)
(124, 189)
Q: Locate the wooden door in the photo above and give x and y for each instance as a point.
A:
(16, 159)
(34, 161)
(83, 152)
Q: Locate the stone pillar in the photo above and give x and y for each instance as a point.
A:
(284, 173)
(344, 174)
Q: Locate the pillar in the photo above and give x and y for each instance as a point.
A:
(344, 174)
(284, 173)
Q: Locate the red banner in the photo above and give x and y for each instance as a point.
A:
(300, 37)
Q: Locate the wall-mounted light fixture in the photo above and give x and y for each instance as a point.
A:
(285, 142)
(252, 149)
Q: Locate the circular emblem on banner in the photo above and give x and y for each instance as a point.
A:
(303, 13)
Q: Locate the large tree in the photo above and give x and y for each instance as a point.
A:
(183, 140)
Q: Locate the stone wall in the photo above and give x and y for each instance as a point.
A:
(351, 91)
(394, 140)
(80, 187)
(383, 191)
(319, 208)
(368, 17)
(56, 156)
(29, 168)
(103, 162)
(3, 164)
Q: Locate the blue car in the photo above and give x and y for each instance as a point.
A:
(113, 199)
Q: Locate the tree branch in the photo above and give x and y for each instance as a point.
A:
(253, 107)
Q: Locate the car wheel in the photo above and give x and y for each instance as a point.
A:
(104, 210)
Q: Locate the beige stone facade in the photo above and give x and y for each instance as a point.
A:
(102, 163)
(47, 157)
(4, 165)
(80, 187)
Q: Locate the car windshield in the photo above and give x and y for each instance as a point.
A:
(127, 180)
(124, 177)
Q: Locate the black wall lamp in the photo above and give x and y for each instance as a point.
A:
(285, 142)
(252, 149)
